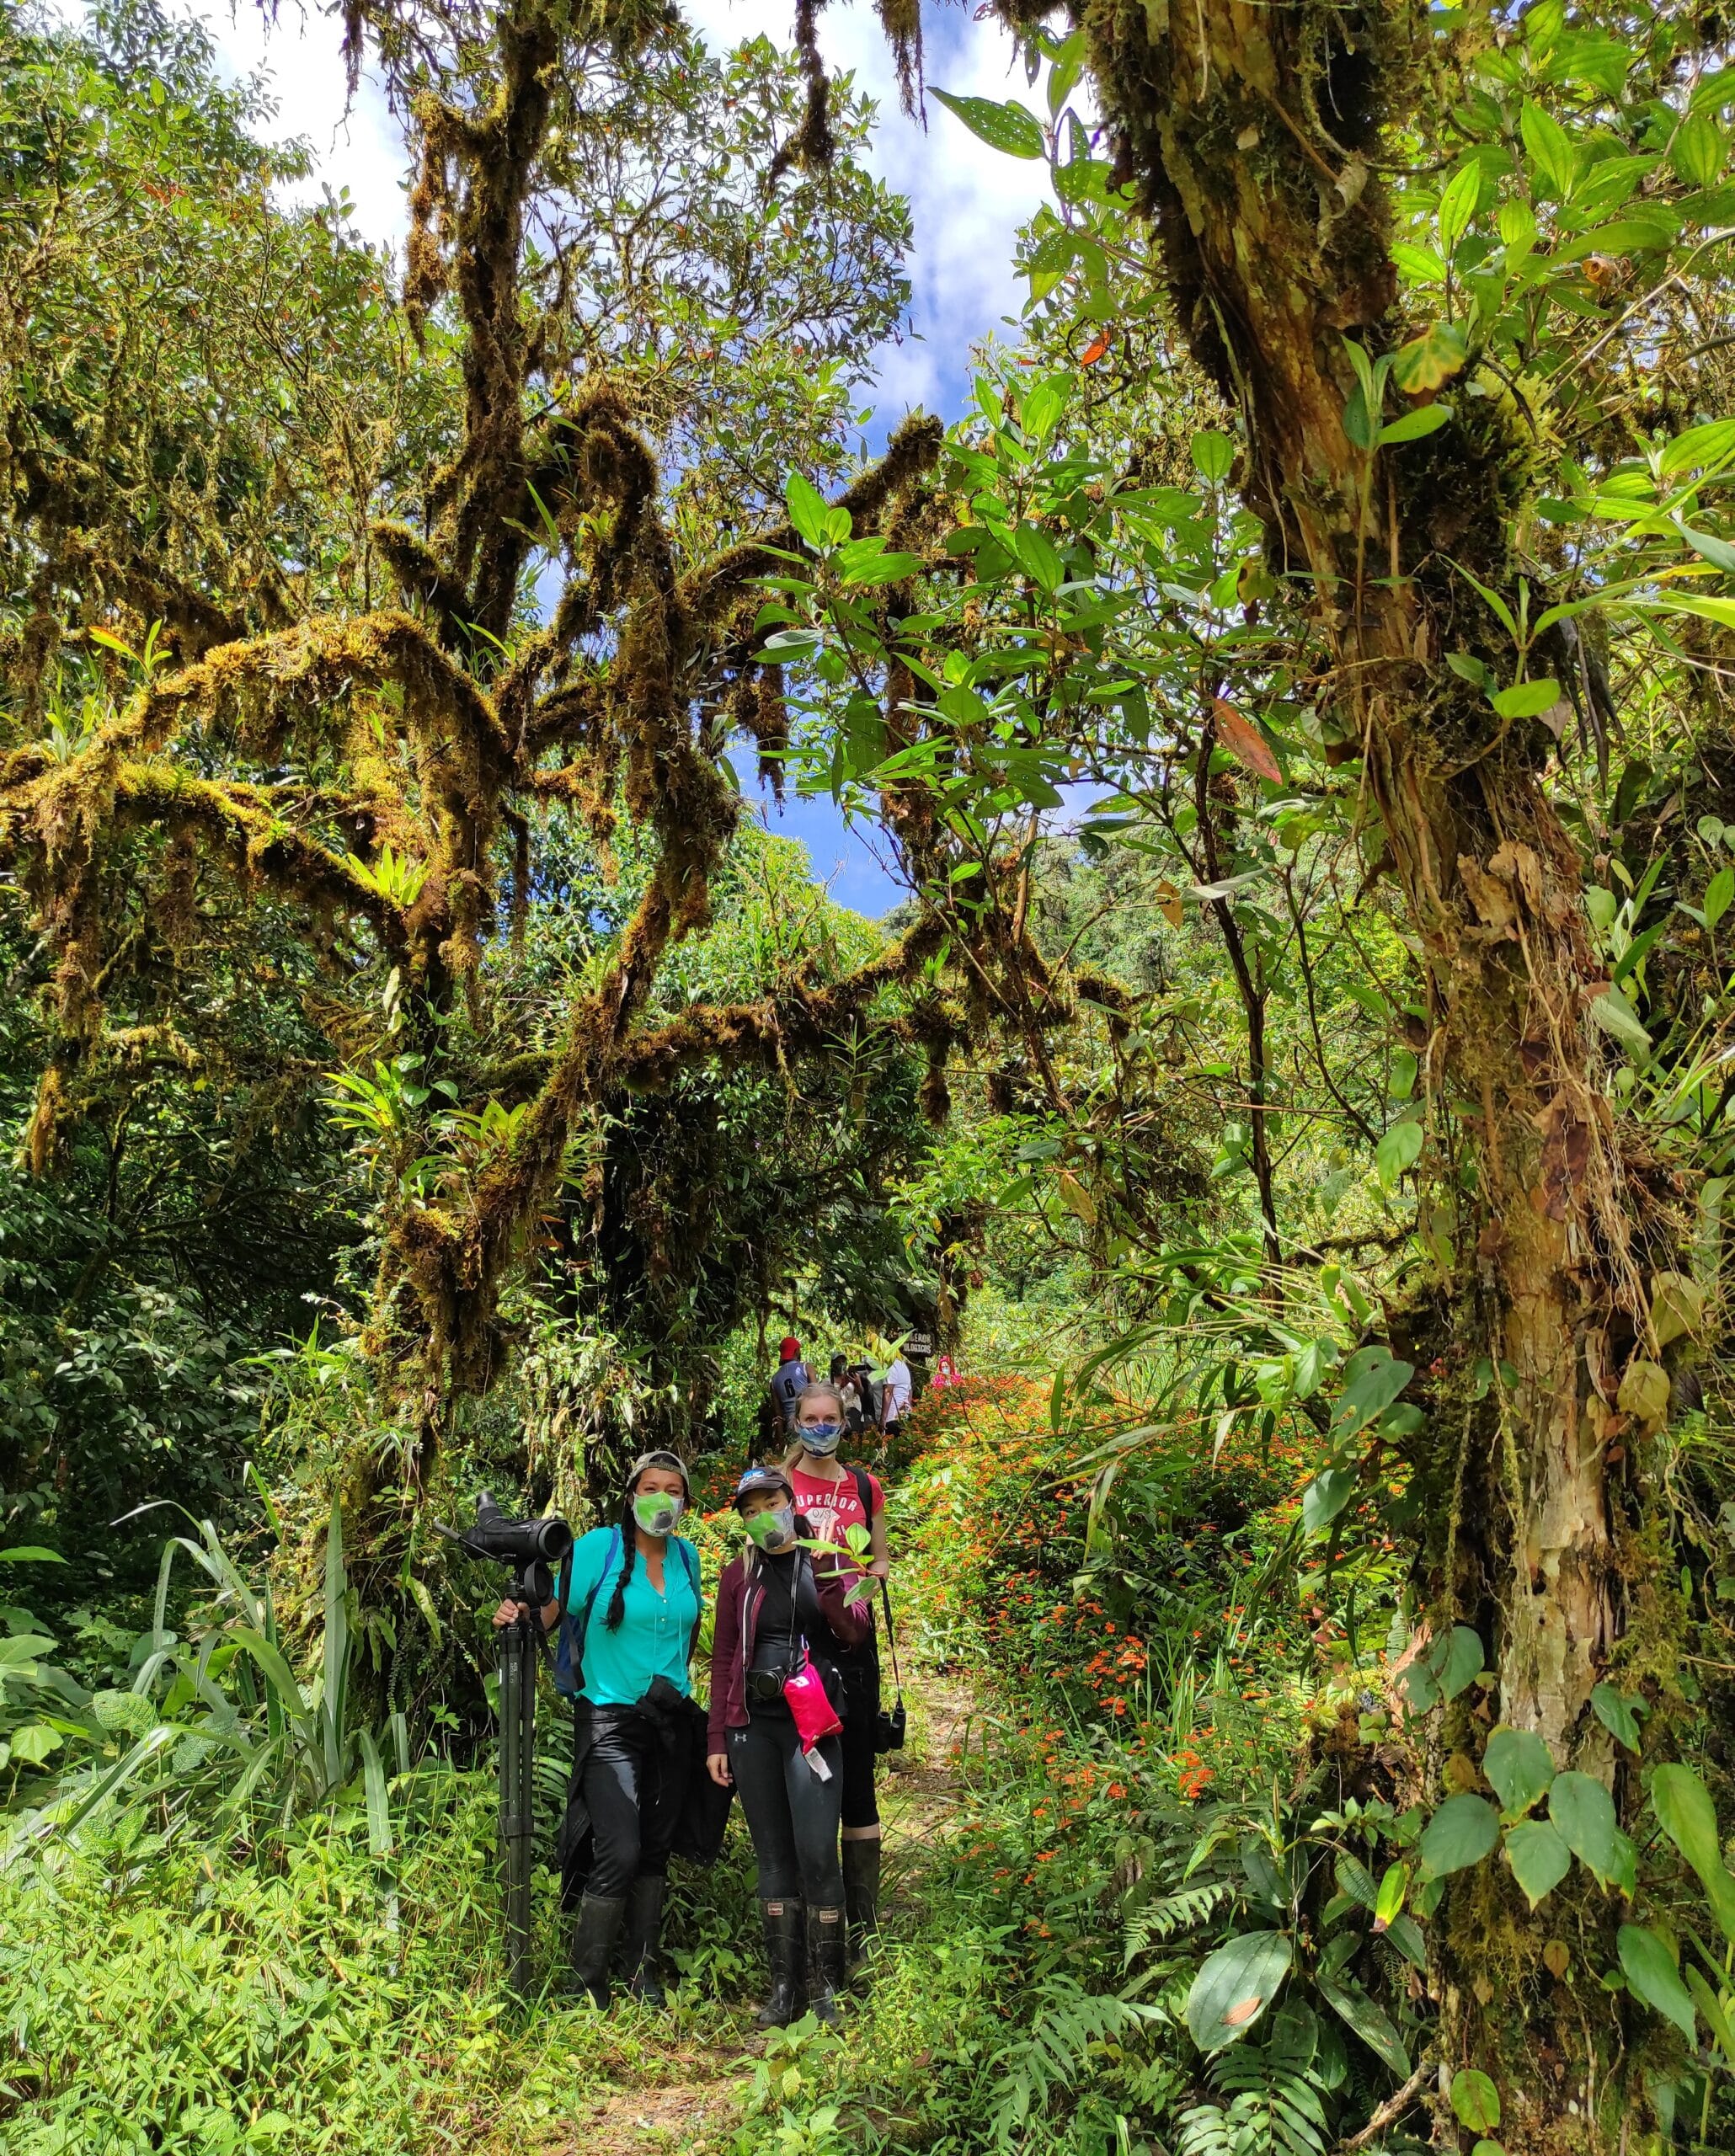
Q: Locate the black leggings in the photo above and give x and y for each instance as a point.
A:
(860, 1668)
(634, 1806)
(792, 1815)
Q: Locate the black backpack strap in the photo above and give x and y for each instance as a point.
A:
(891, 1638)
(864, 1491)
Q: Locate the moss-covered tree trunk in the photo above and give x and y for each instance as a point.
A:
(1252, 132)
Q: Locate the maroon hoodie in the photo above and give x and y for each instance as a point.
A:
(732, 1633)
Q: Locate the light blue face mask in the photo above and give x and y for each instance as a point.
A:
(820, 1438)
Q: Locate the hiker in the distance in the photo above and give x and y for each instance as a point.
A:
(833, 1498)
(894, 1400)
(786, 1389)
(627, 1631)
(782, 1620)
(849, 1393)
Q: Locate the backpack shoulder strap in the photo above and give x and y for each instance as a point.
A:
(582, 1622)
(689, 1558)
(864, 1492)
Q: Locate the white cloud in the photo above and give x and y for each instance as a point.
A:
(967, 200)
(355, 143)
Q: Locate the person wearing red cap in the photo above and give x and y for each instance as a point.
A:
(792, 1380)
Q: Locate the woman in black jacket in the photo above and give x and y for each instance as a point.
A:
(779, 1606)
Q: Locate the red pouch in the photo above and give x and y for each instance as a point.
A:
(815, 1715)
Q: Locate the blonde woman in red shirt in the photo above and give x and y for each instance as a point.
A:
(833, 1498)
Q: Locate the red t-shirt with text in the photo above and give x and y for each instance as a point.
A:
(832, 1508)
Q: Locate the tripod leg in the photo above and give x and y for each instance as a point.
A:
(518, 1678)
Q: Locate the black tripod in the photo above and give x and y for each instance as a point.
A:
(530, 1546)
(522, 1645)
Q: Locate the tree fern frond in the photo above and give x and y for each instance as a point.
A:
(1162, 1918)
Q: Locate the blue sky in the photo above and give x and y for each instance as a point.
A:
(966, 201)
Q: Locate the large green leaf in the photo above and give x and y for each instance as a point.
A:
(35, 1742)
(1038, 556)
(1649, 1967)
(1539, 1857)
(1458, 205)
(1330, 1490)
(1373, 1376)
(1584, 1813)
(1457, 1661)
(1460, 1834)
(1711, 2007)
(1370, 2023)
(1615, 1016)
(1551, 151)
(1519, 1767)
(1007, 127)
(1389, 1899)
(1235, 1987)
(379, 1802)
(1527, 699)
(1474, 2099)
(1616, 1716)
(1685, 1813)
(1414, 426)
(1697, 151)
(806, 509)
(1397, 1151)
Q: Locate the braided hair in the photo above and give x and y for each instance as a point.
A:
(629, 1533)
(629, 1542)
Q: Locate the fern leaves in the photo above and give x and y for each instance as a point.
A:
(1275, 2104)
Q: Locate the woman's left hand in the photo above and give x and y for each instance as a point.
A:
(880, 1569)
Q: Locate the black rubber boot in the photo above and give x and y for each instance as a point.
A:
(786, 1949)
(827, 1954)
(595, 1930)
(645, 1926)
(861, 1893)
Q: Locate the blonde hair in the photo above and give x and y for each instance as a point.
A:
(820, 1389)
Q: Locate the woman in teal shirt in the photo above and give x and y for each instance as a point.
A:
(629, 1618)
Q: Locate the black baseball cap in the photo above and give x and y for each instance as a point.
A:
(763, 1478)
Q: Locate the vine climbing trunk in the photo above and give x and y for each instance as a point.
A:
(1251, 134)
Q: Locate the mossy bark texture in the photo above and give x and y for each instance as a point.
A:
(1252, 135)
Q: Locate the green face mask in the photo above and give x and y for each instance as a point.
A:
(656, 1512)
(773, 1530)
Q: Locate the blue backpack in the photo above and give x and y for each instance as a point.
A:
(787, 1386)
(569, 1643)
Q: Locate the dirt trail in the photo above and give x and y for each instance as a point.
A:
(688, 2115)
(922, 1797)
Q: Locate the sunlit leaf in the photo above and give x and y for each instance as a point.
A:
(1007, 127)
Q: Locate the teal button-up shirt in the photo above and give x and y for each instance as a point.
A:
(655, 1629)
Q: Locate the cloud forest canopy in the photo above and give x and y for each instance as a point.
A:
(1352, 521)
(290, 630)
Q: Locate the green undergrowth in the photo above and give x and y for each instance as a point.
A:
(162, 1995)
(1109, 1738)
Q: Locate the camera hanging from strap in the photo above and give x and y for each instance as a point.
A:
(888, 1727)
